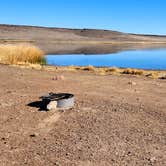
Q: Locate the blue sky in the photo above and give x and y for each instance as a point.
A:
(135, 16)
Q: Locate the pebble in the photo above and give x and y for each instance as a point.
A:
(132, 83)
(58, 77)
(153, 159)
(32, 135)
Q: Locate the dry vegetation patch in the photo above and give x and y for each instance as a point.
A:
(133, 71)
(114, 71)
(29, 56)
(16, 54)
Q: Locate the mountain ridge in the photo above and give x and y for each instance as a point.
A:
(50, 39)
(57, 28)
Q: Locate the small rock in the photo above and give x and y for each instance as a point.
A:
(3, 138)
(62, 110)
(58, 77)
(52, 105)
(132, 83)
(62, 77)
(153, 159)
(32, 135)
(128, 152)
(56, 164)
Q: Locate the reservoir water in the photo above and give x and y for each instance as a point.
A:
(141, 59)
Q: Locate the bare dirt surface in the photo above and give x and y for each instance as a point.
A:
(113, 122)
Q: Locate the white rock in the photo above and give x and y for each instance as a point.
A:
(52, 105)
(153, 159)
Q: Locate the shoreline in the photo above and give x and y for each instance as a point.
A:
(84, 42)
(155, 74)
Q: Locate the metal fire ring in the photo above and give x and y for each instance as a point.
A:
(64, 100)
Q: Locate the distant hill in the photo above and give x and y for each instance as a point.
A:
(46, 37)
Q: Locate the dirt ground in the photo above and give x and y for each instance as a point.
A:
(112, 123)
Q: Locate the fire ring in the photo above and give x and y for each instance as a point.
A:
(64, 100)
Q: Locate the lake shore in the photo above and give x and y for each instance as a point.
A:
(117, 119)
(155, 74)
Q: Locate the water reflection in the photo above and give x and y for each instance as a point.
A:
(144, 59)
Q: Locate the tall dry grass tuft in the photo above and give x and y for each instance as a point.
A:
(113, 70)
(153, 75)
(88, 68)
(16, 54)
(133, 71)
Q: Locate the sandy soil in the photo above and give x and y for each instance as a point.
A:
(112, 123)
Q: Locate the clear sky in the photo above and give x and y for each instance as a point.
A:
(136, 16)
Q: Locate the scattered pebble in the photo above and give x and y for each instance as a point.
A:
(32, 135)
(58, 77)
(3, 139)
(132, 83)
(153, 159)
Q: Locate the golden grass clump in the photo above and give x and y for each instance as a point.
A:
(72, 68)
(113, 70)
(133, 71)
(89, 68)
(153, 75)
(20, 54)
(100, 71)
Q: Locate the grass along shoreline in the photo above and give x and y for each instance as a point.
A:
(20, 54)
(29, 56)
(155, 74)
(119, 71)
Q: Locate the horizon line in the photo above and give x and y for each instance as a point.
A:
(69, 28)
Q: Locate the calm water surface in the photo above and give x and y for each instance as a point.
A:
(144, 59)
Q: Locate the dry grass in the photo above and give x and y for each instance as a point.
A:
(20, 54)
(100, 70)
(113, 70)
(133, 71)
(31, 56)
(117, 71)
(153, 75)
(163, 77)
(88, 68)
(107, 70)
(73, 68)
